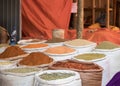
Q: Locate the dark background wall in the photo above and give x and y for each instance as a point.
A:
(118, 14)
(10, 15)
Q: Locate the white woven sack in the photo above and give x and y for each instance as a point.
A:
(105, 64)
(55, 44)
(12, 65)
(2, 49)
(73, 80)
(114, 62)
(114, 58)
(83, 49)
(30, 50)
(59, 57)
(17, 79)
(62, 57)
(73, 83)
(12, 80)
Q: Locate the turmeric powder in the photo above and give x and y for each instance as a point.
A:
(11, 52)
(35, 45)
(35, 58)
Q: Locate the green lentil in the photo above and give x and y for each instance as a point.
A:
(90, 56)
(55, 76)
(107, 45)
(22, 70)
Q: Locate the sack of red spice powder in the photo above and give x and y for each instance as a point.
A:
(91, 73)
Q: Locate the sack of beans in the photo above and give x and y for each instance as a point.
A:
(57, 78)
(91, 73)
(99, 58)
(113, 52)
(23, 76)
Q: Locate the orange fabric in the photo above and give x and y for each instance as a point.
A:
(39, 17)
(103, 34)
(71, 34)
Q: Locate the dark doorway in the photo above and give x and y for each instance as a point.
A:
(10, 15)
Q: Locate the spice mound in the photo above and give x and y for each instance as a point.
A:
(90, 56)
(12, 51)
(55, 76)
(36, 58)
(74, 65)
(55, 40)
(107, 45)
(35, 45)
(59, 50)
(78, 42)
(22, 70)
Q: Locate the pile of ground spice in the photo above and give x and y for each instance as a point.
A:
(12, 51)
(56, 76)
(35, 58)
(59, 50)
(90, 56)
(74, 65)
(78, 42)
(35, 45)
(55, 40)
(107, 45)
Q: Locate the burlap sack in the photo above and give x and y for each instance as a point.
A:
(4, 36)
